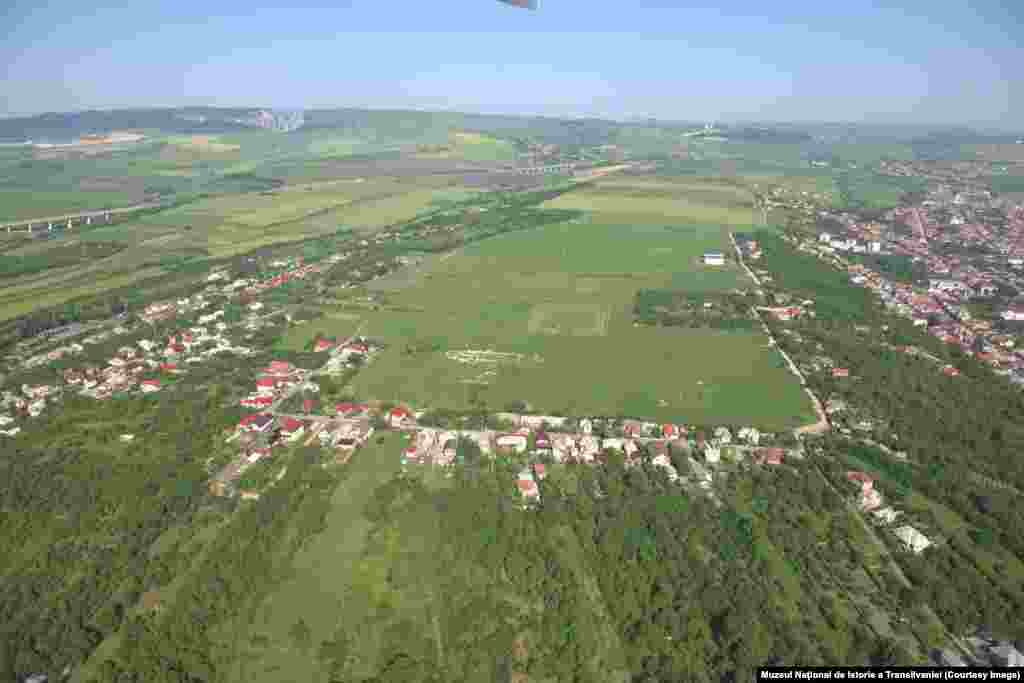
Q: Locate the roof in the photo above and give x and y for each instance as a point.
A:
(290, 425)
(400, 412)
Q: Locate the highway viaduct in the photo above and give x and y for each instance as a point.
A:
(68, 221)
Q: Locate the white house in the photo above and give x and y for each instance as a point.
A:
(516, 442)
(912, 539)
(824, 237)
(714, 258)
(751, 435)
(723, 435)
(886, 515)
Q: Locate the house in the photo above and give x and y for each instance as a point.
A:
(259, 422)
(870, 499)
(769, 456)
(886, 515)
(266, 386)
(670, 431)
(712, 454)
(714, 258)
(517, 442)
(840, 372)
(291, 429)
(257, 401)
(399, 417)
(322, 345)
(723, 435)
(148, 386)
(824, 237)
(912, 539)
(542, 440)
(950, 371)
(539, 471)
(528, 488)
(586, 426)
(632, 428)
(749, 434)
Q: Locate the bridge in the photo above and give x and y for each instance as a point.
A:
(543, 170)
(70, 220)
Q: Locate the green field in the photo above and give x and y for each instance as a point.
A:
(646, 201)
(558, 301)
(320, 589)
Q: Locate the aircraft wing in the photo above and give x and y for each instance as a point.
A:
(525, 4)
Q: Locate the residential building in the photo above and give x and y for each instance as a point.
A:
(912, 539)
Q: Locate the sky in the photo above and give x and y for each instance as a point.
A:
(867, 61)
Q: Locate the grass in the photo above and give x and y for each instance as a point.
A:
(321, 574)
(337, 325)
(561, 298)
(638, 207)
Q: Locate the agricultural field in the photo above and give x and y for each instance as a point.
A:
(555, 304)
(644, 200)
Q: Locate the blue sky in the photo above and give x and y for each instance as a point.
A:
(916, 61)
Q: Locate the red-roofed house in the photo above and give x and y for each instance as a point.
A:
(168, 367)
(322, 345)
(840, 372)
(265, 385)
(260, 422)
(528, 489)
(950, 371)
(291, 429)
(670, 431)
(399, 417)
(865, 480)
(308, 405)
(769, 456)
(280, 368)
(539, 470)
(149, 385)
(257, 401)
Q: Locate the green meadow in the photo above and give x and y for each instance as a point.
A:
(558, 302)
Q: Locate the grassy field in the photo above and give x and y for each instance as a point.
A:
(320, 590)
(558, 301)
(338, 325)
(639, 201)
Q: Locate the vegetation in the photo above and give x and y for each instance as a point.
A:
(674, 308)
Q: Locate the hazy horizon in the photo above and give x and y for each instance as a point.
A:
(858, 63)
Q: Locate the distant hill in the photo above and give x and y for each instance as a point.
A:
(57, 128)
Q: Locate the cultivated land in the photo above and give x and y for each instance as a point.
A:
(560, 298)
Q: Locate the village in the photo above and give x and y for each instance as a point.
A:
(970, 245)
